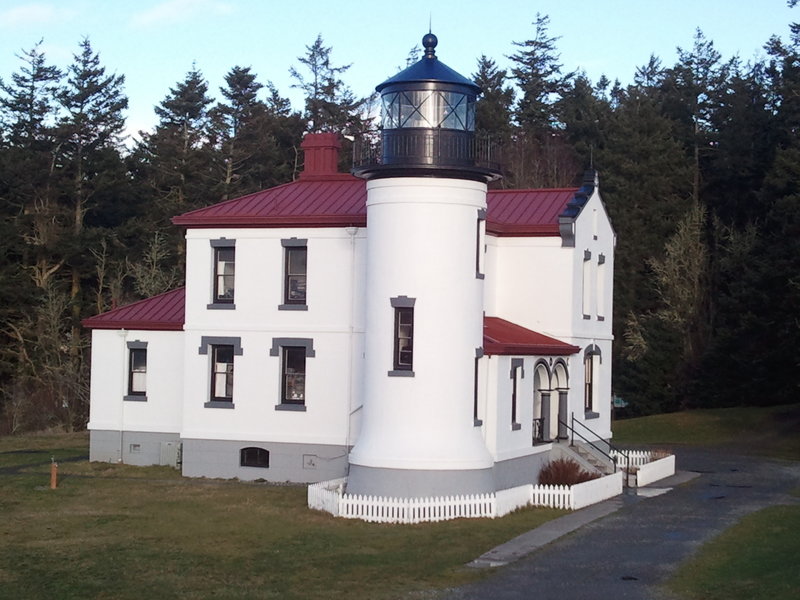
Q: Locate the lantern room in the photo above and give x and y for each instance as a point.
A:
(428, 123)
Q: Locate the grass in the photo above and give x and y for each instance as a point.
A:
(753, 560)
(114, 531)
(768, 431)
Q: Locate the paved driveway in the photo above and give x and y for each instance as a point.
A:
(627, 554)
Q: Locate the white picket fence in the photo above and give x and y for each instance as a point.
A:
(329, 496)
(637, 458)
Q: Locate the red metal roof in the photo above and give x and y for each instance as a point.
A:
(503, 337)
(339, 200)
(526, 212)
(165, 312)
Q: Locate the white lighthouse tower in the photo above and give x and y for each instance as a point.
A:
(426, 209)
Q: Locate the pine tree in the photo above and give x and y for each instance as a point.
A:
(89, 133)
(493, 110)
(538, 75)
(176, 157)
(330, 105)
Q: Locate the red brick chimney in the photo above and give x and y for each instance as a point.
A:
(321, 156)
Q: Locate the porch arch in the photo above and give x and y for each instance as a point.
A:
(561, 386)
(542, 411)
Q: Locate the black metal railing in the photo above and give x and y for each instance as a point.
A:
(604, 447)
(442, 148)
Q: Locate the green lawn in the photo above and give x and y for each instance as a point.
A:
(758, 557)
(771, 431)
(753, 560)
(113, 531)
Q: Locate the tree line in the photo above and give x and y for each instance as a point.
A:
(699, 167)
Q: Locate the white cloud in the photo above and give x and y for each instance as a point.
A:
(32, 14)
(172, 11)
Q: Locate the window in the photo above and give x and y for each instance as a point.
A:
(137, 382)
(224, 273)
(221, 373)
(137, 371)
(293, 353)
(404, 339)
(516, 373)
(294, 270)
(591, 359)
(480, 243)
(587, 284)
(403, 351)
(601, 287)
(475, 420)
(222, 350)
(293, 382)
(254, 457)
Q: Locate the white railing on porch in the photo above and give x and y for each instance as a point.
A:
(329, 496)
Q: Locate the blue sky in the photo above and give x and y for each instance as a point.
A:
(155, 42)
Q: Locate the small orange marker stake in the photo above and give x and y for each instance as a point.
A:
(53, 474)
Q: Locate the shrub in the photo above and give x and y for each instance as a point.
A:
(564, 471)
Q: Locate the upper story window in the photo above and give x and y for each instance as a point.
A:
(586, 291)
(601, 287)
(224, 273)
(403, 362)
(295, 274)
(137, 371)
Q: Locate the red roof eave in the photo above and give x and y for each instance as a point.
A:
(271, 221)
(522, 230)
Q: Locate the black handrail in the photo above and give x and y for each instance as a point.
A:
(611, 447)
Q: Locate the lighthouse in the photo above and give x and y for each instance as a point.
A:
(426, 211)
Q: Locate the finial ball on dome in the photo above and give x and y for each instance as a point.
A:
(429, 42)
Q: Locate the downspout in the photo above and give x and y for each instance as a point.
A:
(351, 231)
(123, 334)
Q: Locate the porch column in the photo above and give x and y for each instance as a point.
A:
(562, 414)
(546, 416)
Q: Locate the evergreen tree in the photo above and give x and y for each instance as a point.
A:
(538, 75)
(176, 158)
(330, 105)
(540, 156)
(89, 134)
(493, 110)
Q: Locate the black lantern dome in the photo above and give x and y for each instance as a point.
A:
(427, 123)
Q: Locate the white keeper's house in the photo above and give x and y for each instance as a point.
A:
(402, 325)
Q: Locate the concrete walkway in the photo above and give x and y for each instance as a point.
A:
(628, 546)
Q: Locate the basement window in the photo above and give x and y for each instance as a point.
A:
(254, 457)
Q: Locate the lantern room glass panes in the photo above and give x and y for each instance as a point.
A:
(428, 109)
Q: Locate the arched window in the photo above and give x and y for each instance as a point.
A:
(254, 457)
(591, 361)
